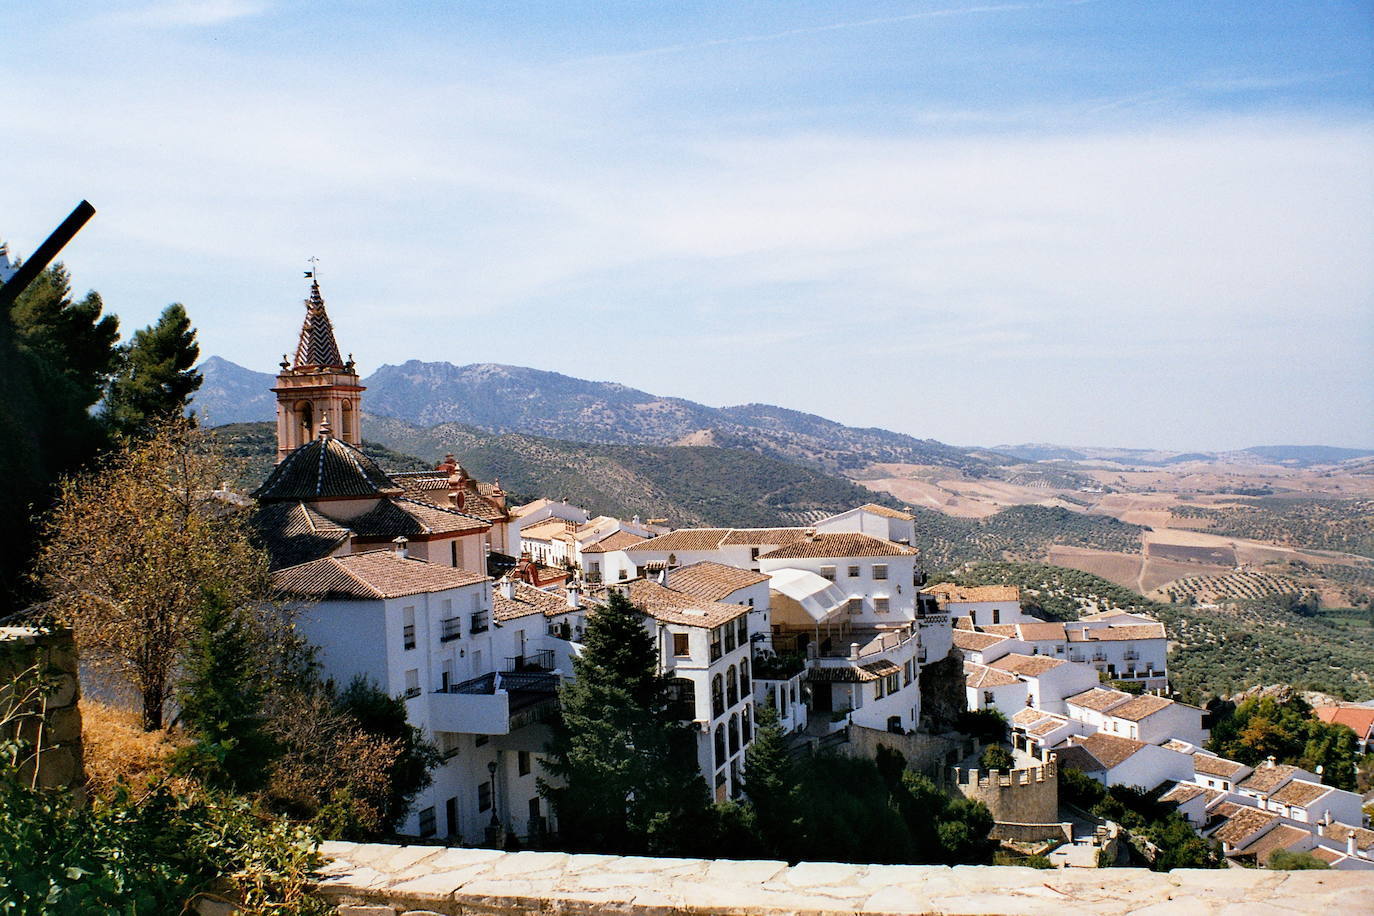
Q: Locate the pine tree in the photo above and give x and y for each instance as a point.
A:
(629, 780)
(221, 697)
(157, 376)
(72, 338)
(770, 782)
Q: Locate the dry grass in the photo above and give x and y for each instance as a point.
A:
(116, 749)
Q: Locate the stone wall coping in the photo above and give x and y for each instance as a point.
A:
(373, 879)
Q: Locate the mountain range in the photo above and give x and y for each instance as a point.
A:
(516, 400)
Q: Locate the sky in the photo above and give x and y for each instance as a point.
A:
(1144, 224)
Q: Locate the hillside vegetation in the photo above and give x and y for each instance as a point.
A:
(1214, 651)
(1018, 533)
(1243, 585)
(1345, 525)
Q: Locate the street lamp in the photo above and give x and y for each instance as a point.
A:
(491, 770)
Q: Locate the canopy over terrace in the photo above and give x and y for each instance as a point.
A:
(801, 603)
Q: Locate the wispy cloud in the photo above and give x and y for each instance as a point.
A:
(192, 13)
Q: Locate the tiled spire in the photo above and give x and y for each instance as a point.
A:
(317, 348)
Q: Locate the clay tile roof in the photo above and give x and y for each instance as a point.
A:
(1045, 726)
(323, 468)
(543, 531)
(374, 574)
(685, 539)
(404, 517)
(1364, 838)
(1098, 699)
(620, 540)
(1039, 631)
(1266, 779)
(881, 668)
(1111, 750)
(1329, 856)
(1141, 707)
(1242, 825)
(712, 581)
(1029, 665)
(975, 642)
(530, 600)
(1027, 716)
(1359, 719)
(957, 593)
(884, 511)
(1178, 744)
(963, 623)
(1300, 792)
(1076, 757)
(293, 533)
(841, 544)
(1005, 630)
(1133, 631)
(759, 537)
(317, 348)
(981, 676)
(1281, 837)
(841, 674)
(670, 606)
(1209, 765)
(1181, 792)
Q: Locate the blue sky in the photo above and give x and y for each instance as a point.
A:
(1124, 223)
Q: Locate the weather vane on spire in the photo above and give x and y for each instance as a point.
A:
(314, 272)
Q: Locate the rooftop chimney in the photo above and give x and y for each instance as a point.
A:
(574, 596)
(1350, 844)
(1270, 760)
(663, 576)
(400, 548)
(507, 586)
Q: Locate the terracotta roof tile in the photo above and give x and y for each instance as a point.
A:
(401, 516)
(1266, 779)
(1181, 792)
(1028, 665)
(712, 581)
(530, 600)
(1359, 719)
(325, 468)
(620, 540)
(1117, 634)
(1111, 750)
(293, 533)
(669, 606)
(1300, 792)
(1281, 837)
(1098, 699)
(975, 642)
(685, 539)
(840, 544)
(1046, 726)
(1033, 632)
(1364, 838)
(1141, 707)
(1210, 765)
(884, 511)
(1005, 630)
(371, 575)
(1242, 825)
(981, 676)
(960, 593)
(1076, 757)
(1027, 716)
(759, 537)
(1329, 856)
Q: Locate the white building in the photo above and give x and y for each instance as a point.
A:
(1146, 717)
(1118, 761)
(1048, 680)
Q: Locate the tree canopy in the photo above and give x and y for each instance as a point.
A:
(156, 376)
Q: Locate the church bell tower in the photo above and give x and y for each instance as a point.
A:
(318, 387)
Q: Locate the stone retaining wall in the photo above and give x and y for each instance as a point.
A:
(929, 755)
(1026, 795)
(39, 692)
(381, 880)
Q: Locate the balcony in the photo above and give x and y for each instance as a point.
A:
(533, 661)
(450, 629)
(494, 704)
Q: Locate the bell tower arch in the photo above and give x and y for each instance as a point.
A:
(318, 386)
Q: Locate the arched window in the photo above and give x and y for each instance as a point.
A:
(734, 735)
(720, 745)
(306, 411)
(731, 688)
(744, 678)
(717, 698)
(346, 422)
(746, 725)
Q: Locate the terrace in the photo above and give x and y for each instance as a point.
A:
(495, 703)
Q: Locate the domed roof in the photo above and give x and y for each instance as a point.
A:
(326, 467)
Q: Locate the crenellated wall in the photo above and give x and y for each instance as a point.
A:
(1028, 795)
(379, 880)
(39, 692)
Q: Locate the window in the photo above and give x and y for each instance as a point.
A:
(742, 629)
(428, 825)
(881, 605)
(729, 638)
(744, 677)
(996, 615)
(746, 729)
(408, 628)
(479, 622)
(892, 685)
(680, 645)
(720, 745)
(453, 552)
(878, 689)
(731, 688)
(624, 574)
(412, 683)
(451, 815)
(450, 628)
(753, 554)
(448, 744)
(484, 796)
(856, 605)
(522, 763)
(1058, 650)
(880, 570)
(717, 697)
(987, 698)
(734, 735)
(828, 572)
(854, 572)
(715, 644)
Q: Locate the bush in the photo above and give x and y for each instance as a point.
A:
(1283, 860)
(996, 757)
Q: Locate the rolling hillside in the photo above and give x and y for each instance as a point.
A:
(511, 399)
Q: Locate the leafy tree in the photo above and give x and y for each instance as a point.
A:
(629, 781)
(135, 550)
(221, 699)
(156, 377)
(964, 832)
(384, 717)
(1286, 730)
(996, 757)
(1283, 860)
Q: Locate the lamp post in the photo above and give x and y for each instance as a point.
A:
(495, 835)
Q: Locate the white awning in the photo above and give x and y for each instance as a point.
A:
(818, 596)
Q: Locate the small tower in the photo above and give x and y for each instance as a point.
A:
(318, 386)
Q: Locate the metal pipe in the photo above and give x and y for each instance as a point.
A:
(43, 255)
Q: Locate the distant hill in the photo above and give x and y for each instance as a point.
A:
(511, 399)
(688, 485)
(1301, 456)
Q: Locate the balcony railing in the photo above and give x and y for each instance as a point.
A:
(450, 629)
(408, 636)
(479, 623)
(533, 661)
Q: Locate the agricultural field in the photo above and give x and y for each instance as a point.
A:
(1345, 525)
(1244, 585)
